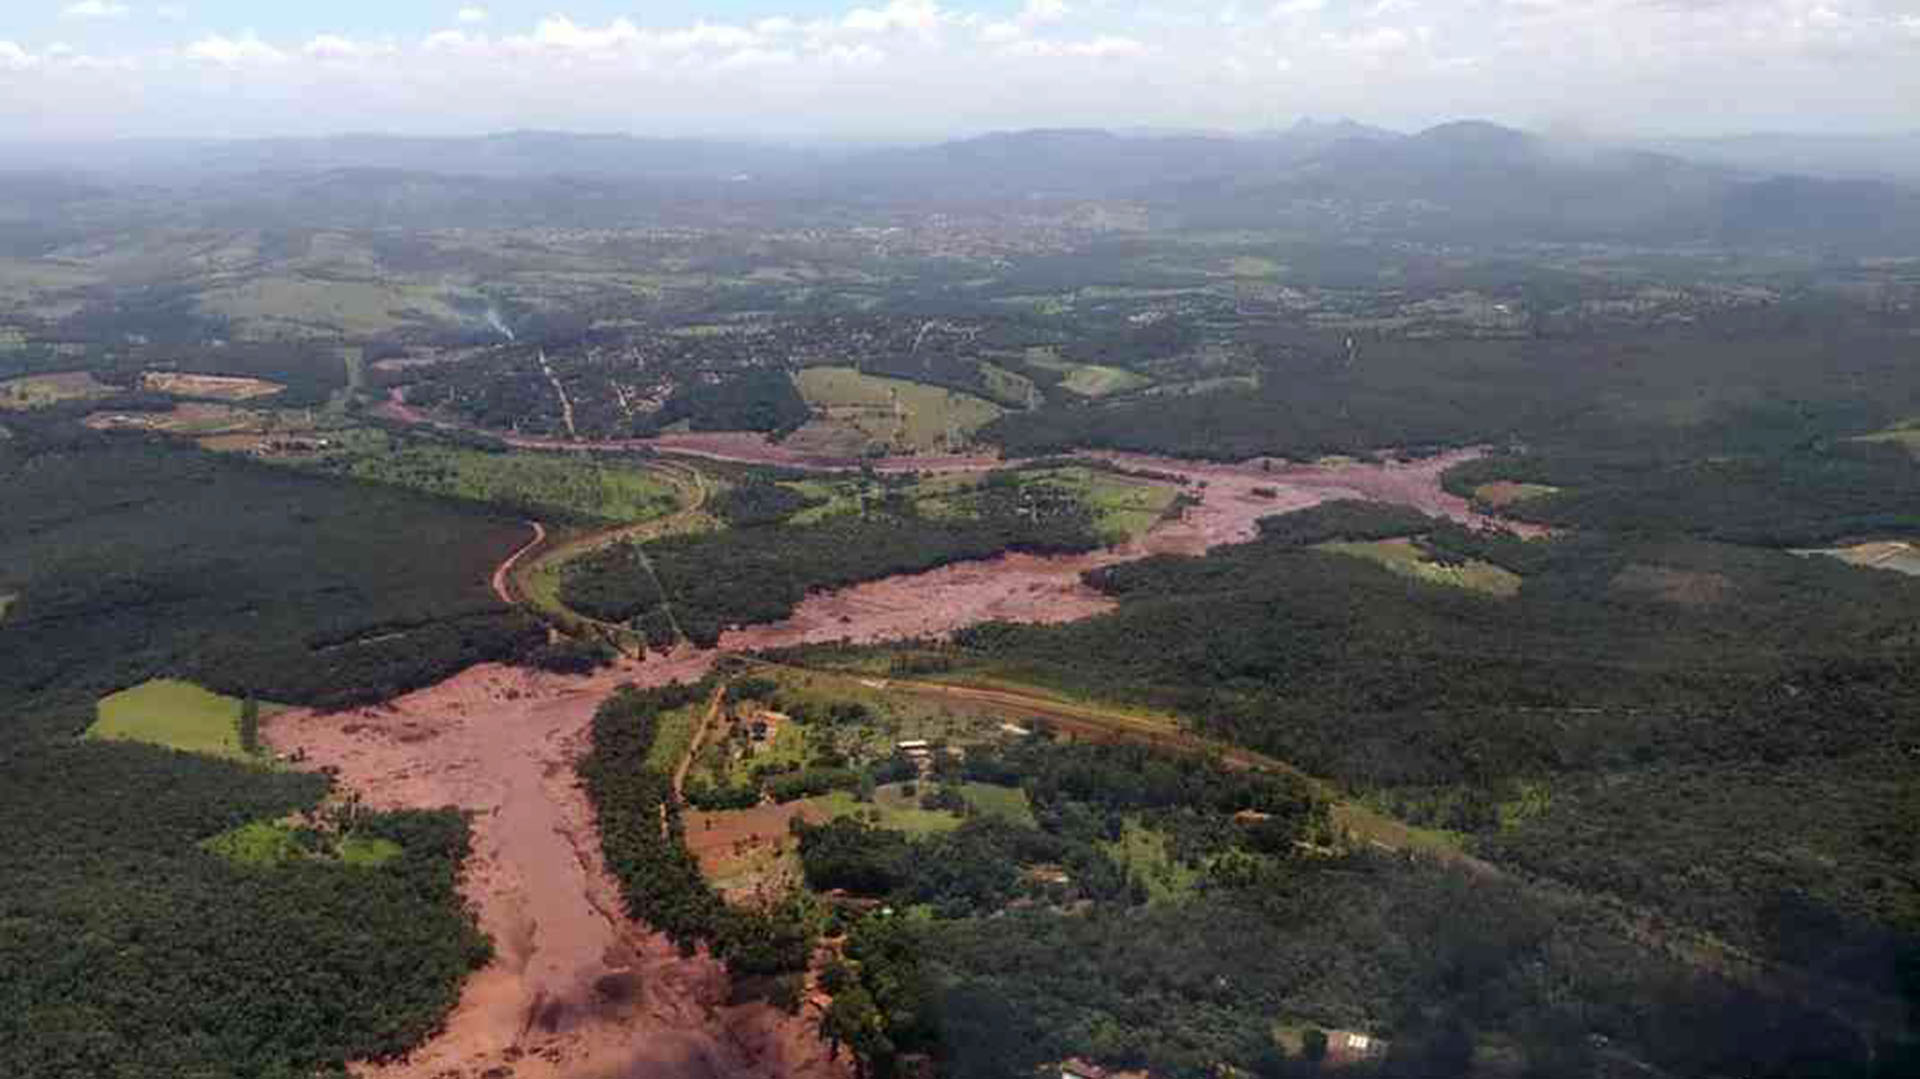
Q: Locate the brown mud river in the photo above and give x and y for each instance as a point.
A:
(576, 989)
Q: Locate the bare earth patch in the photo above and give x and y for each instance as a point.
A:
(1687, 588)
(219, 387)
(40, 391)
(576, 991)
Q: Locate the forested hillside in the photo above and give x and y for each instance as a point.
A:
(1619, 725)
(131, 947)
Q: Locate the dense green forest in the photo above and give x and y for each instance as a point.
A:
(996, 969)
(1619, 725)
(131, 949)
(643, 835)
(135, 556)
(750, 575)
(1809, 367)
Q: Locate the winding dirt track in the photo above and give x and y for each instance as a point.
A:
(503, 575)
(577, 991)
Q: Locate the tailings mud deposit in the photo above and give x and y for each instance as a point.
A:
(577, 991)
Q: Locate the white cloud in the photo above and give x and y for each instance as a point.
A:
(15, 58)
(917, 16)
(562, 33)
(1039, 12)
(335, 47)
(471, 16)
(95, 9)
(234, 52)
(935, 64)
(1105, 46)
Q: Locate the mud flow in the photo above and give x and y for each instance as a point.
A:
(579, 991)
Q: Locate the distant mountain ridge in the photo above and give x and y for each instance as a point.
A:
(1467, 180)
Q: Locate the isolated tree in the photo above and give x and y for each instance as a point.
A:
(250, 726)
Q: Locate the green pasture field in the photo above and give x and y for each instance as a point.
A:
(40, 391)
(1089, 379)
(1124, 508)
(1144, 852)
(271, 843)
(1008, 804)
(1402, 557)
(898, 811)
(577, 486)
(903, 416)
(268, 305)
(177, 715)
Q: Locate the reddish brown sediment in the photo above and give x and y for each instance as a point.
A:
(577, 990)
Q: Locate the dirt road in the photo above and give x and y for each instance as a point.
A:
(503, 574)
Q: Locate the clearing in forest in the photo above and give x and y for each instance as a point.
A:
(175, 714)
(1506, 493)
(1895, 555)
(41, 391)
(1088, 379)
(857, 411)
(218, 387)
(271, 843)
(1404, 557)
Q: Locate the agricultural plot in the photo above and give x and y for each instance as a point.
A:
(1894, 555)
(234, 428)
(264, 844)
(1123, 507)
(1404, 557)
(540, 483)
(1088, 379)
(1504, 494)
(217, 387)
(41, 391)
(857, 411)
(271, 306)
(177, 715)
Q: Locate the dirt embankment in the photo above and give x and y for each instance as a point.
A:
(577, 991)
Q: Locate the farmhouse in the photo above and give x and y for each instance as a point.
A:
(1352, 1047)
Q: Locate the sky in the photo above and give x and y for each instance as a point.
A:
(804, 69)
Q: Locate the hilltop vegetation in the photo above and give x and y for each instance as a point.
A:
(745, 576)
(134, 950)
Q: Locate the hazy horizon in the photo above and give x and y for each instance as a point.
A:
(807, 70)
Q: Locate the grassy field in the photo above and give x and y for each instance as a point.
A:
(178, 715)
(1123, 507)
(1502, 495)
(1088, 379)
(620, 493)
(271, 843)
(268, 306)
(40, 391)
(1001, 803)
(1403, 557)
(897, 809)
(674, 735)
(903, 417)
(1896, 556)
(1144, 853)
